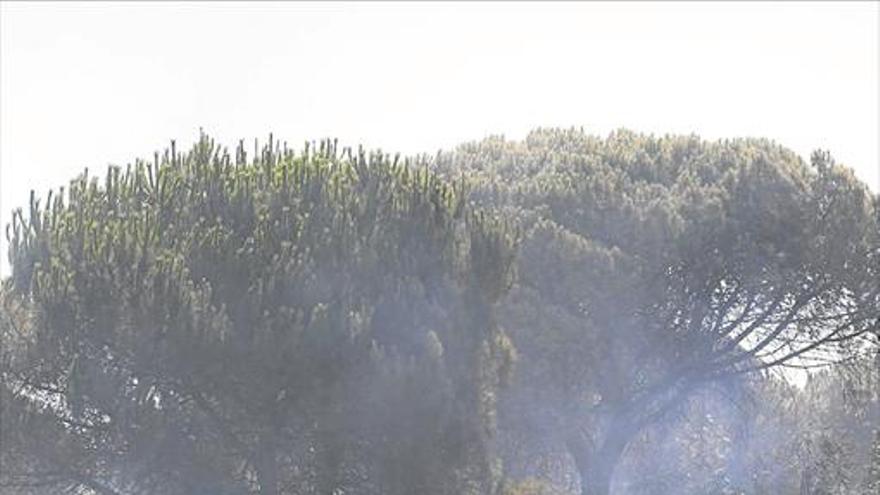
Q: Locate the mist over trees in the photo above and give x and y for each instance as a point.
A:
(558, 315)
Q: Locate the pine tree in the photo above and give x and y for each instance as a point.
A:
(210, 323)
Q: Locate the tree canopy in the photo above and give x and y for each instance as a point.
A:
(652, 267)
(277, 315)
(551, 315)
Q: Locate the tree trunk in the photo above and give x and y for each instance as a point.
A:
(596, 466)
(330, 457)
(597, 476)
(267, 465)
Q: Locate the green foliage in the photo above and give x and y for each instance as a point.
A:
(652, 267)
(524, 317)
(275, 306)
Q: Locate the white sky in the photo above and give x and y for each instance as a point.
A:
(97, 83)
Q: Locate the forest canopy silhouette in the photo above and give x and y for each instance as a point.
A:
(563, 314)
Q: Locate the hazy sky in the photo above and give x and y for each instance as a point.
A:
(97, 83)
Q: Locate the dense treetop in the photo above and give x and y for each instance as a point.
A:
(507, 317)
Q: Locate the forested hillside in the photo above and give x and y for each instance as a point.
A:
(566, 314)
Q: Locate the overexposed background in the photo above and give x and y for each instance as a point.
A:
(96, 83)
